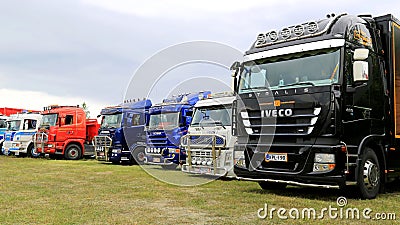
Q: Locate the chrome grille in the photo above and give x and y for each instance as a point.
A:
(301, 122)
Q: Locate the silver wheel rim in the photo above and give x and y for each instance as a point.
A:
(73, 153)
(371, 174)
(140, 156)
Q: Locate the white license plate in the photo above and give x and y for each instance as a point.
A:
(203, 170)
(275, 157)
(156, 160)
(124, 158)
(99, 149)
(16, 153)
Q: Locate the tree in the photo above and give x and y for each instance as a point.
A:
(86, 109)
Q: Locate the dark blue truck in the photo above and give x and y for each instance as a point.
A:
(121, 137)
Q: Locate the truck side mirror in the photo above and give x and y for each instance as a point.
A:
(360, 54)
(235, 66)
(235, 70)
(188, 120)
(360, 71)
(360, 67)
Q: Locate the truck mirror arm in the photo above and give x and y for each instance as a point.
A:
(352, 89)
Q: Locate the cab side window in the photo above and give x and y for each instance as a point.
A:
(136, 120)
(69, 119)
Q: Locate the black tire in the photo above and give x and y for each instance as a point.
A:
(8, 153)
(1, 146)
(138, 155)
(266, 185)
(369, 175)
(169, 167)
(73, 152)
(31, 151)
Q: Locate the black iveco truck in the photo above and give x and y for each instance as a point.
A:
(317, 105)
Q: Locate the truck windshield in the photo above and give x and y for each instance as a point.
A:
(3, 123)
(111, 121)
(318, 67)
(212, 116)
(13, 125)
(164, 121)
(49, 120)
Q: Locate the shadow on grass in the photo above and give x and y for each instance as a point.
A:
(325, 194)
(303, 192)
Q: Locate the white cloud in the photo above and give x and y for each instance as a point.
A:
(157, 8)
(34, 100)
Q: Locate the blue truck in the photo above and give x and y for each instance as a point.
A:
(168, 122)
(3, 128)
(121, 137)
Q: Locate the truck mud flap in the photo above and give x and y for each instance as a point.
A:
(89, 150)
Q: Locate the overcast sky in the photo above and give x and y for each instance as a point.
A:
(70, 51)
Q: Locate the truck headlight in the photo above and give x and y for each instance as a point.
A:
(172, 150)
(324, 162)
(116, 151)
(323, 167)
(15, 145)
(324, 158)
(240, 162)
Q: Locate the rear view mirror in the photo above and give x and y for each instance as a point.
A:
(361, 54)
(360, 71)
(235, 66)
(188, 120)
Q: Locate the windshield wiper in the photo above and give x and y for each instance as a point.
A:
(300, 83)
(219, 123)
(255, 88)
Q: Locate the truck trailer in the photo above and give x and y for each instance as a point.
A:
(318, 105)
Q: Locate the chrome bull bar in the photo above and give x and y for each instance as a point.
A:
(39, 141)
(202, 141)
(102, 145)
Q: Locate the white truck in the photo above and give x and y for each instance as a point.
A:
(209, 142)
(18, 136)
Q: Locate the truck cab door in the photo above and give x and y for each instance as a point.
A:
(134, 128)
(68, 129)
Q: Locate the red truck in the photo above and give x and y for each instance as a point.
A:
(65, 131)
(6, 111)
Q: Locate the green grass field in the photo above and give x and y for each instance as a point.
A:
(42, 191)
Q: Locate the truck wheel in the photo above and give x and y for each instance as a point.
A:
(138, 155)
(266, 185)
(31, 151)
(369, 176)
(169, 167)
(4, 152)
(73, 152)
